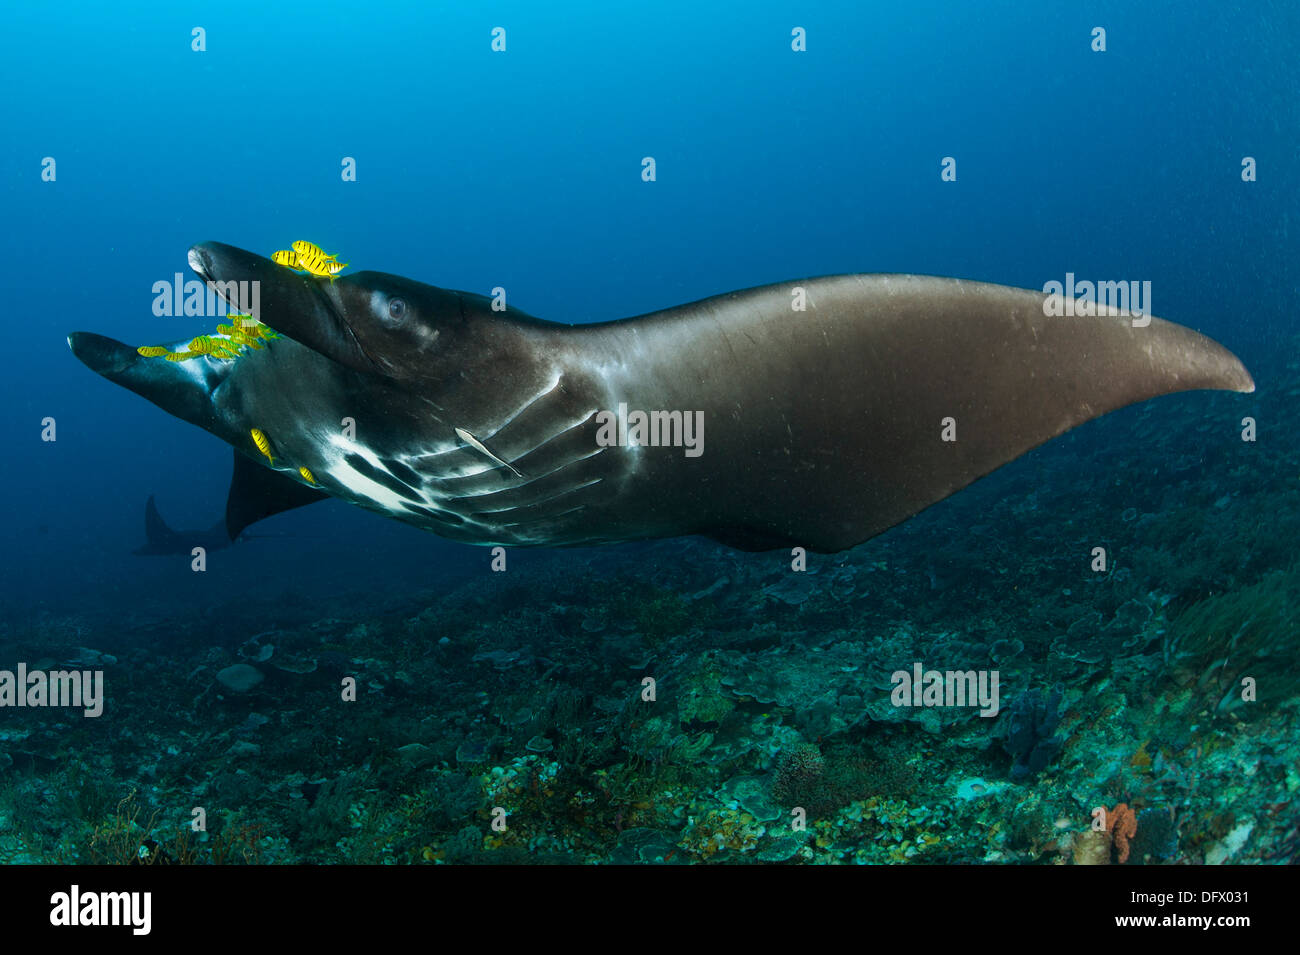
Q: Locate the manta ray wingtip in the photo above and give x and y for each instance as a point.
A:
(1226, 371)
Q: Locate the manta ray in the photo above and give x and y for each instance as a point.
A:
(823, 411)
(161, 540)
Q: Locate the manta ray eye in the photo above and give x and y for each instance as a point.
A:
(396, 309)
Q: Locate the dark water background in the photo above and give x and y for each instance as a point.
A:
(522, 170)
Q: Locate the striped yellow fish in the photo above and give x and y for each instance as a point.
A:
(319, 265)
(243, 338)
(286, 258)
(235, 335)
(315, 264)
(248, 327)
(214, 347)
(263, 445)
(252, 327)
(310, 250)
(307, 476)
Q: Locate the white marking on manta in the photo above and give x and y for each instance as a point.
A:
(534, 480)
(206, 372)
(552, 517)
(478, 444)
(546, 500)
(363, 486)
(440, 452)
(530, 479)
(525, 406)
(435, 471)
(612, 370)
(563, 431)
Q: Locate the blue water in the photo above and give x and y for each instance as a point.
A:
(522, 169)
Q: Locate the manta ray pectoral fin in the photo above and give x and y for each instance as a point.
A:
(898, 390)
(257, 492)
(478, 445)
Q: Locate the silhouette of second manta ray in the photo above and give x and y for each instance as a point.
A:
(822, 428)
(161, 539)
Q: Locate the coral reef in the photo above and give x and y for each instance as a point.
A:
(1123, 825)
(1031, 722)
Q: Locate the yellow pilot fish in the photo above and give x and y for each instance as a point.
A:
(240, 337)
(227, 348)
(214, 347)
(286, 258)
(307, 476)
(263, 445)
(321, 266)
(310, 249)
(252, 327)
